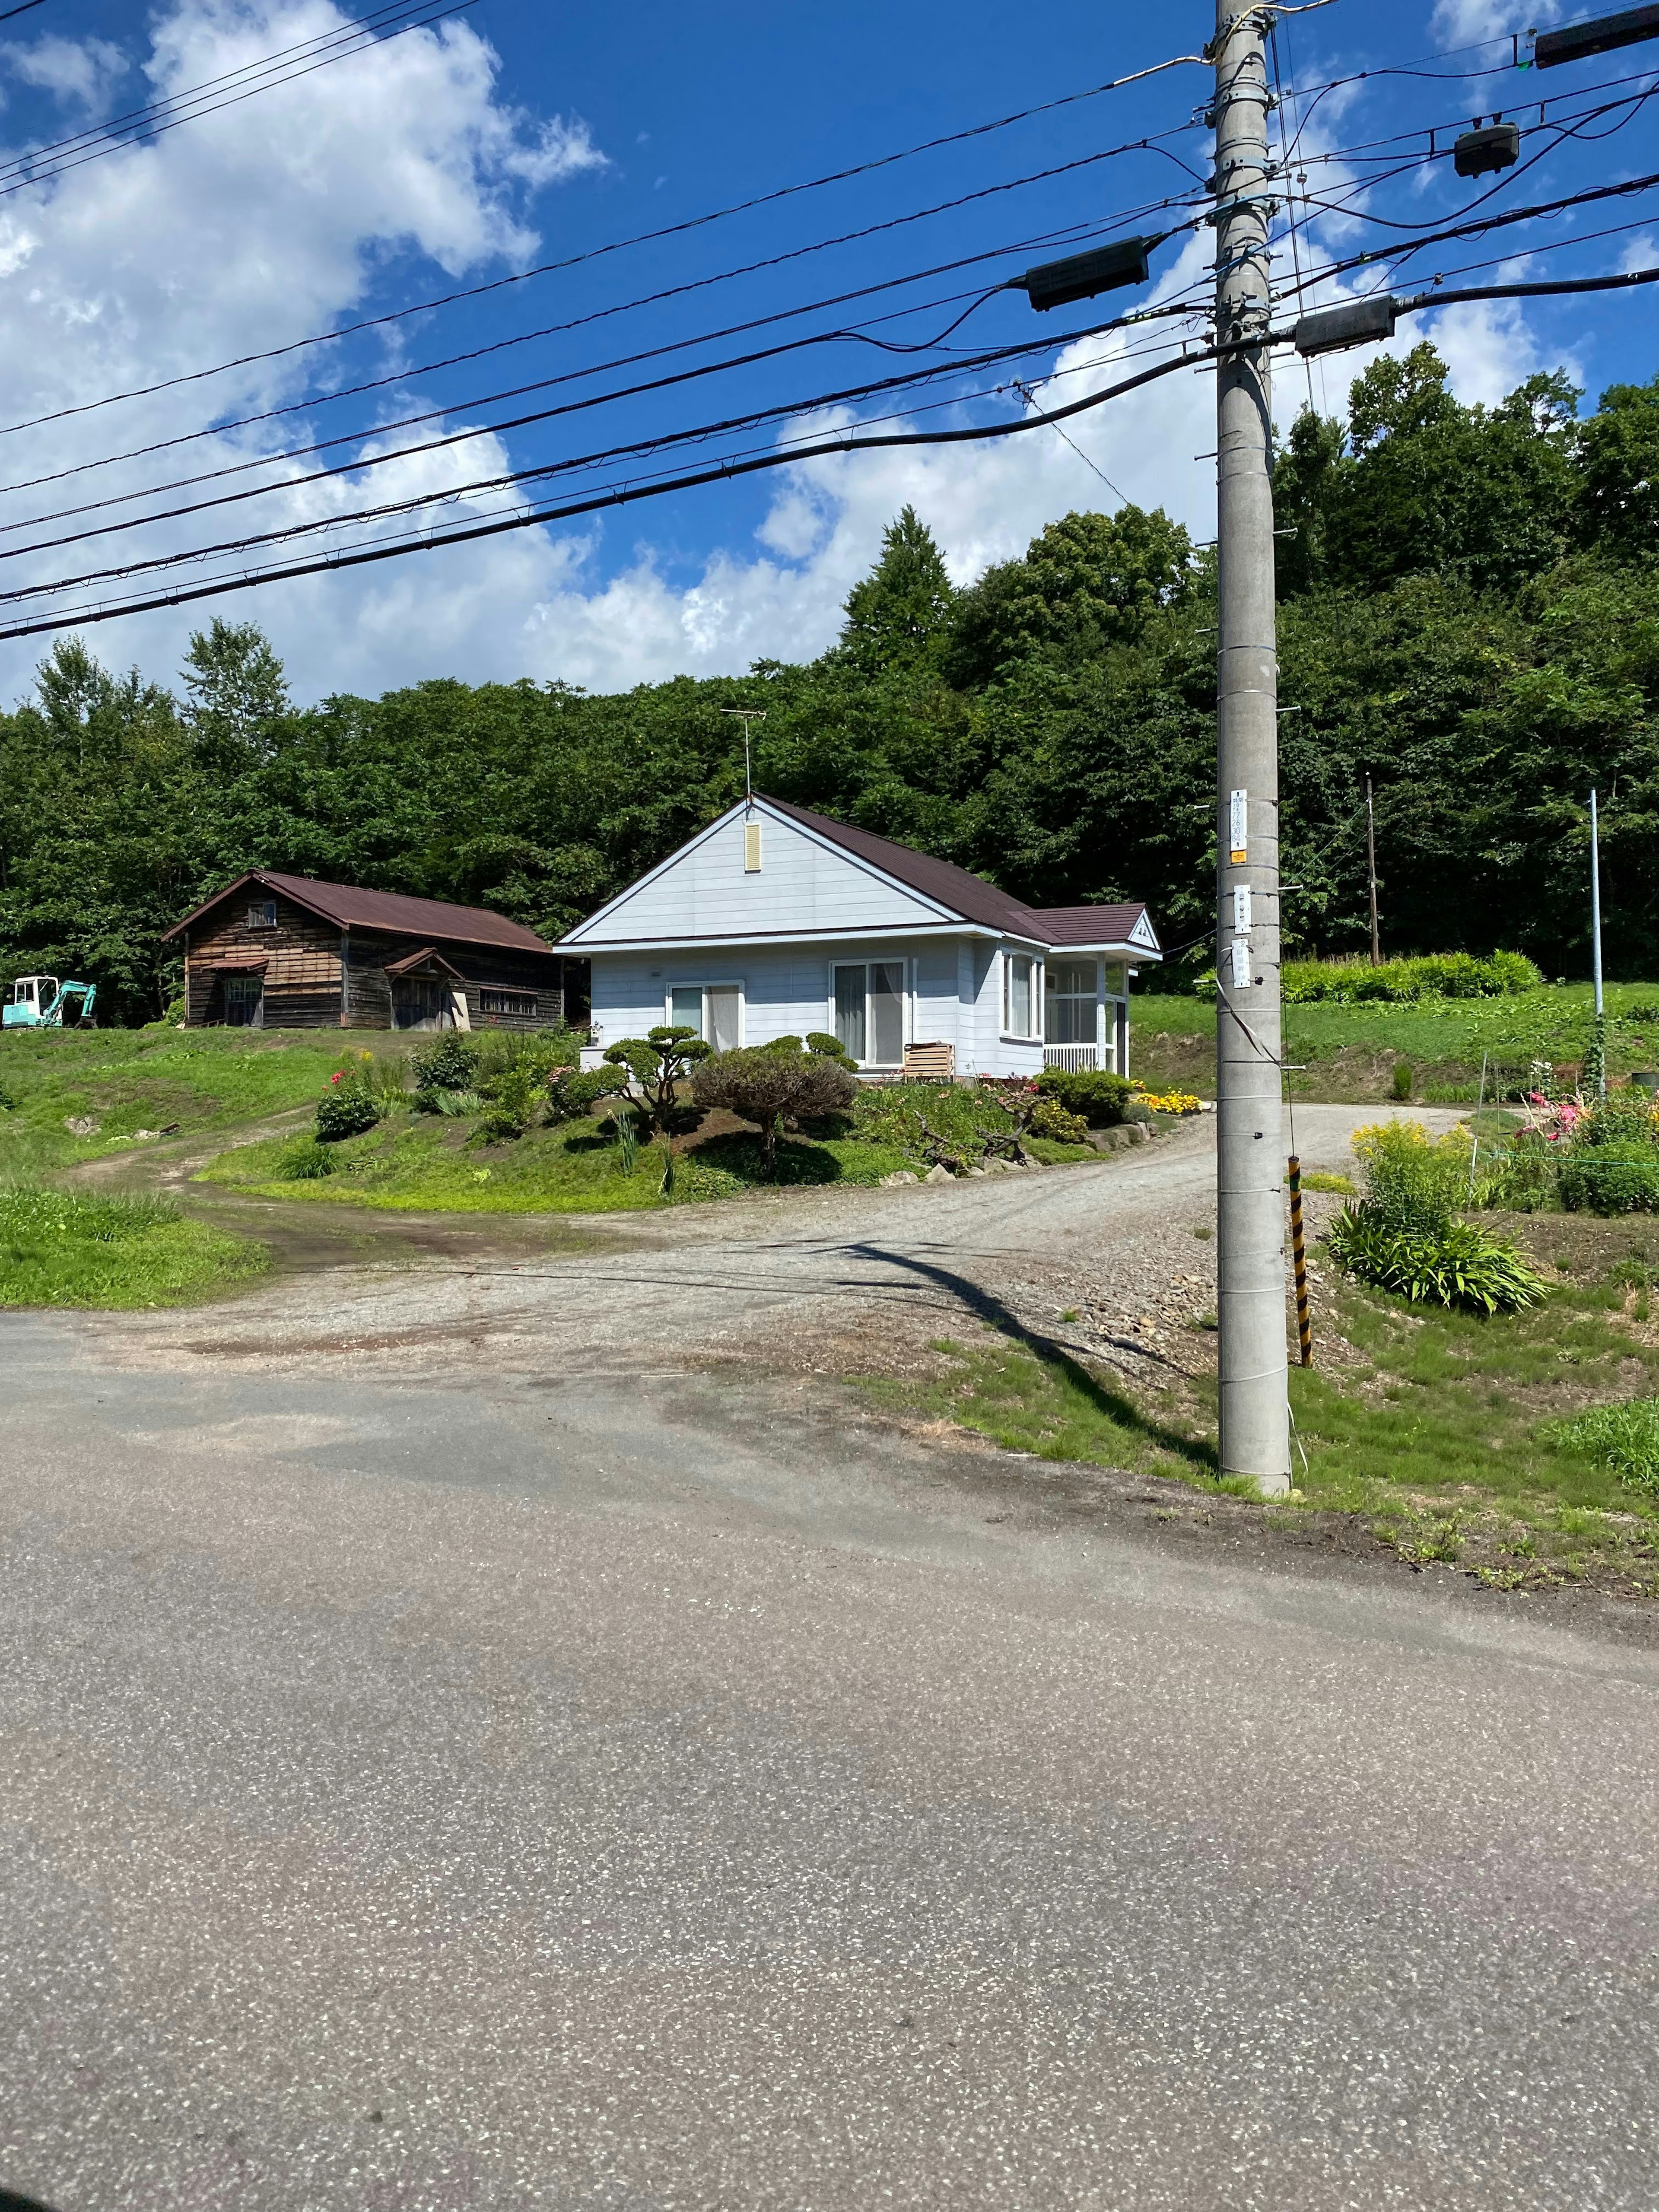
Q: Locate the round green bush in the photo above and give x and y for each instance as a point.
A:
(1100, 1099)
(1608, 1181)
(1050, 1119)
(345, 1109)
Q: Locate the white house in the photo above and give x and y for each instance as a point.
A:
(775, 922)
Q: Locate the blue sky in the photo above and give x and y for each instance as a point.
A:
(511, 135)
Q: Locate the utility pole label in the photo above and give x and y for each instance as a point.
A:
(1240, 836)
(1240, 964)
(1241, 906)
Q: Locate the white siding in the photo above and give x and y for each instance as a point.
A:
(801, 885)
(953, 991)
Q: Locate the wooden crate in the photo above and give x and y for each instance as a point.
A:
(931, 1063)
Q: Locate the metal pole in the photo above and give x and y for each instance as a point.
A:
(1370, 864)
(1249, 1142)
(1596, 949)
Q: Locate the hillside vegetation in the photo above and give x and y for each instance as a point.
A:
(1471, 613)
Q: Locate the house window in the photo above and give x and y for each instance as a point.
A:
(1018, 995)
(870, 1011)
(712, 1011)
(263, 915)
(1069, 1002)
(513, 1005)
(244, 1001)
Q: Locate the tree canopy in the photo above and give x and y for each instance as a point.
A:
(1469, 612)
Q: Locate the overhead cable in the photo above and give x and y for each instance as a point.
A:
(20, 174)
(1149, 143)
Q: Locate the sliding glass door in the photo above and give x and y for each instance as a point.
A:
(870, 1011)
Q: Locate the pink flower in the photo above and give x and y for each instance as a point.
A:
(335, 1078)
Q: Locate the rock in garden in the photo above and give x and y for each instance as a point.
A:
(938, 1174)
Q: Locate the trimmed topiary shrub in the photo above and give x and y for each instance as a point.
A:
(765, 1084)
(1099, 1099)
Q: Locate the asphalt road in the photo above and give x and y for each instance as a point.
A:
(434, 1782)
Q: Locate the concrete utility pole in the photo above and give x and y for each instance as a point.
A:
(1250, 1141)
(1595, 950)
(1371, 865)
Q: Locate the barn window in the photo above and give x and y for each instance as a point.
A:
(263, 917)
(513, 1005)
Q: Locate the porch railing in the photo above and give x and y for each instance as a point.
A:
(1071, 1059)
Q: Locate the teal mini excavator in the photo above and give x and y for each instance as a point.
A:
(42, 1002)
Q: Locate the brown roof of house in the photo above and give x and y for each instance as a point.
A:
(970, 896)
(1106, 924)
(349, 908)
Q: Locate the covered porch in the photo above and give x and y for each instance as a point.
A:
(1085, 1014)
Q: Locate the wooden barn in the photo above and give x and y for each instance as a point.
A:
(274, 951)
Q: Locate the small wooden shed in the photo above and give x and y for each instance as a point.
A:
(278, 951)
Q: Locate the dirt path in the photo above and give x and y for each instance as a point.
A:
(1114, 1261)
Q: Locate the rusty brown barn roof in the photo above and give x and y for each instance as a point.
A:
(349, 908)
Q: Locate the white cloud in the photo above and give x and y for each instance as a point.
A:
(1465, 22)
(80, 72)
(230, 236)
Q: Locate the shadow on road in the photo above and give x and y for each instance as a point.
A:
(985, 1306)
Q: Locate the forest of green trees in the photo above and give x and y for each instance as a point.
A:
(1470, 613)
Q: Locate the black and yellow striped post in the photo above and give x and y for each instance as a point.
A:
(1299, 1260)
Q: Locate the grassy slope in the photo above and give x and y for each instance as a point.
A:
(1433, 1427)
(1351, 1052)
(129, 1079)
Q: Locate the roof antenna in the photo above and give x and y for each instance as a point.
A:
(746, 715)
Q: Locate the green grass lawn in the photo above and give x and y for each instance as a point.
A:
(426, 1163)
(1441, 1431)
(59, 1248)
(125, 1080)
(1351, 1052)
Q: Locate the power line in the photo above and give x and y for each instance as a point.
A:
(149, 122)
(1150, 143)
(1478, 229)
(725, 471)
(650, 353)
(771, 413)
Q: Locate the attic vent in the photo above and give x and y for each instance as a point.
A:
(751, 848)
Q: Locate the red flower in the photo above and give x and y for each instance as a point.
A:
(335, 1078)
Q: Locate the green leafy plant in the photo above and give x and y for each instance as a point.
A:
(1624, 1438)
(1458, 1264)
(1096, 1097)
(659, 1063)
(1413, 1182)
(513, 1105)
(307, 1161)
(1431, 975)
(447, 1063)
(766, 1084)
(1610, 1179)
(571, 1094)
(346, 1109)
(1051, 1119)
(1403, 1077)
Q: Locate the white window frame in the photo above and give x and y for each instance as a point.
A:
(261, 914)
(1091, 961)
(904, 963)
(706, 984)
(1010, 1035)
